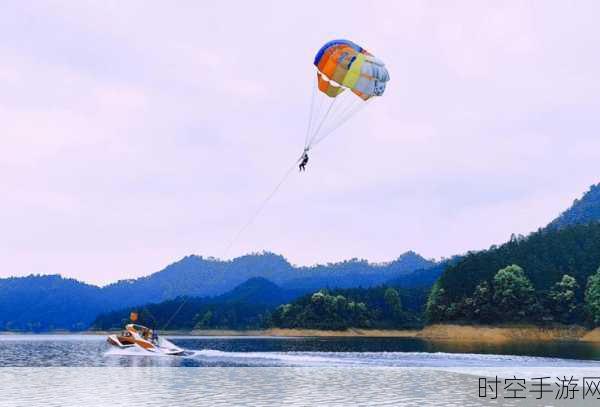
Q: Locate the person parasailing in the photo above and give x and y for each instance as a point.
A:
(303, 160)
(347, 77)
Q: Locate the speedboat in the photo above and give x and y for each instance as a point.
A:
(138, 336)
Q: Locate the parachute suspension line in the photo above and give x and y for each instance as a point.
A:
(317, 116)
(340, 101)
(310, 117)
(351, 112)
(316, 133)
(348, 101)
(349, 109)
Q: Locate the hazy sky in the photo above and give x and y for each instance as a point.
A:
(135, 133)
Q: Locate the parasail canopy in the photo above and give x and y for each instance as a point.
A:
(343, 64)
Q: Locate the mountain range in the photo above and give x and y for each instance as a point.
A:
(200, 276)
(582, 211)
(252, 304)
(569, 246)
(244, 307)
(40, 303)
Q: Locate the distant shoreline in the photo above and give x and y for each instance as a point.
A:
(506, 334)
(438, 332)
(279, 332)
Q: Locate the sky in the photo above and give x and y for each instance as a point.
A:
(135, 133)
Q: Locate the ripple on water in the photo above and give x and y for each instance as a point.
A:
(89, 350)
(234, 386)
(283, 371)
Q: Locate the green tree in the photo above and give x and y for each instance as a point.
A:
(514, 295)
(437, 305)
(482, 303)
(375, 307)
(563, 300)
(546, 255)
(359, 314)
(392, 302)
(592, 298)
(204, 322)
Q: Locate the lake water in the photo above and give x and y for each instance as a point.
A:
(92, 350)
(84, 370)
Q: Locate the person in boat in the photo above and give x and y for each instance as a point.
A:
(303, 161)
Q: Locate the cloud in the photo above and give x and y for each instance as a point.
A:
(135, 134)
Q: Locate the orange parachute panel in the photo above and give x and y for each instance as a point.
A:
(327, 87)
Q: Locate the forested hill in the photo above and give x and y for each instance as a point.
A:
(475, 289)
(200, 276)
(382, 307)
(42, 303)
(247, 306)
(254, 305)
(584, 210)
(423, 278)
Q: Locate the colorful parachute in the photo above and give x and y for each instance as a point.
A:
(342, 65)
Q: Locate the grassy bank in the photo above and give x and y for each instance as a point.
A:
(495, 334)
(439, 332)
(456, 333)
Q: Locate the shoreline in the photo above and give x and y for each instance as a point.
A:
(498, 334)
(283, 333)
(438, 332)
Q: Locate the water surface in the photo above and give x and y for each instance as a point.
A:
(60, 370)
(92, 350)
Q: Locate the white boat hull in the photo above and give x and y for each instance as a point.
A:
(132, 339)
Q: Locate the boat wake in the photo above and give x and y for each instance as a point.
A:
(132, 351)
(270, 358)
(459, 362)
(380, 359)
(135, 351)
